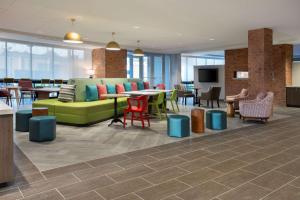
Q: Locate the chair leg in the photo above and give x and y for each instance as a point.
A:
(172, 106)
(142, 120)
(207, 103)
(185, 101)
(218, 102)
(212, 103)
(124, 125)
(158, 111)
(132, 116)
(164, 110)
(177, 106)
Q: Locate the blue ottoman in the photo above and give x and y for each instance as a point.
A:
(42, 128)
(216, 120)
(22, 120)
(178, 126)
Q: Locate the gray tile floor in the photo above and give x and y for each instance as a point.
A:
(250, 163)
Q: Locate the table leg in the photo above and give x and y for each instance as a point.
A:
(115, 119)
(17, 96)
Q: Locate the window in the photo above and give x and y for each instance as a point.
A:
(219, 62)
(128, 67)
(62, 63)
(41, 62)
(167, 71)
(146, 68)
(183, 69)
(157, 70)
(241, 75)
(201, 61)
(80, 63)
(18, 60)
(136, 67)
(2, 60)
(210, 61)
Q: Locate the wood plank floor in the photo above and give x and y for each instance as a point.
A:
(257, 162)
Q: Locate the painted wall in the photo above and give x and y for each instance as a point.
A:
(296, 74)
(205, 86)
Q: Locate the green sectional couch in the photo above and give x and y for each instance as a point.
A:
(81, 112)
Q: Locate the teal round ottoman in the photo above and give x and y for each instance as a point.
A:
(178, 126)
(216, 120)
(22, 120)
(42, 128)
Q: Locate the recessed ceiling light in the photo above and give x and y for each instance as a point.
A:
(212, 39)
(179, 34)
(136, 27)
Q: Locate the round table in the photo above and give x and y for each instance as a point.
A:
(230, 109)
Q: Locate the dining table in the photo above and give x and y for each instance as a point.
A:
(15, 89)
(44, 93)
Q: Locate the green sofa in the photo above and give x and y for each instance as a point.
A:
(81, 112)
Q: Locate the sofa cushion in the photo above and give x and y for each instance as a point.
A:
(66, 93)
(111, 89)
(120, 88)
(91, 93)
(127, 86)
(140, 85)
(134, 86)
(146, 85)
(101, 90)
(80, 86)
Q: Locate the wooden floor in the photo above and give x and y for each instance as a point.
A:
(251, 163)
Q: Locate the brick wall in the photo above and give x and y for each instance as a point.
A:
(281, 71)
(109, 64)
(235, 60)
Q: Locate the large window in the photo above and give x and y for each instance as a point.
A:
(2, 59)
(136, 67)
(157, 70)
(33, 61)
(41, 62)
(18, 60)
(167, 71)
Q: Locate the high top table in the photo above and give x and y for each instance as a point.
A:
(6, 143)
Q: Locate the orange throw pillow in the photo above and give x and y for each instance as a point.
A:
(101, 90)
(120, 88)
(134, 86)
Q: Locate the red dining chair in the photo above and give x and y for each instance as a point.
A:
(4, 93)
(139, 106)
(161, 86)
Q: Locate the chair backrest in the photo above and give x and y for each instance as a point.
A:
(25, 84)
(260, 96)
(173, 95)
(58, 81)
(142, 102)
(45, 81)
(215, 93)
(160, 98)
(8, 80)
(244, 93)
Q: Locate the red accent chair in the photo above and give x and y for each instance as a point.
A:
(4, 93)
(138, 105)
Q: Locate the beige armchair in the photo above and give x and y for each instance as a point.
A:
(260, 108)
(243, 95)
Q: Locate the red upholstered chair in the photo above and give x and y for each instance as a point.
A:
(120, 88)
(146, 85)
(134, 86)
(101, 90)
(4, 93)
(138, 106)
(25, 89)
(161, 86)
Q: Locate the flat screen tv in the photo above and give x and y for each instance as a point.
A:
(208, 75)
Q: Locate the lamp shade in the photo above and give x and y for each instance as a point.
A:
(113, 46)
(72, 37)
(138, 52)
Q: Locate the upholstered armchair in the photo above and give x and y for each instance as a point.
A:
(243, 95)
(212, 94)
(260, 108)
(184, 93)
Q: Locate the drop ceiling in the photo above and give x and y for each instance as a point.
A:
(171, 26)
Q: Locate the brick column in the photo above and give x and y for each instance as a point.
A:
(109, 64)
(260, 60)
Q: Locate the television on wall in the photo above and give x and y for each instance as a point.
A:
(208, 75)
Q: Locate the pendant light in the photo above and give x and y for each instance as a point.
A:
(138, 52)
(112, 45)
(72, 37)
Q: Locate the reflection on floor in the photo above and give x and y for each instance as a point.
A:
(254, 162)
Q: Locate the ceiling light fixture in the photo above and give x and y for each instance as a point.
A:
(72, 37)
(112, 45)
(138, 51)
(211, 39)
